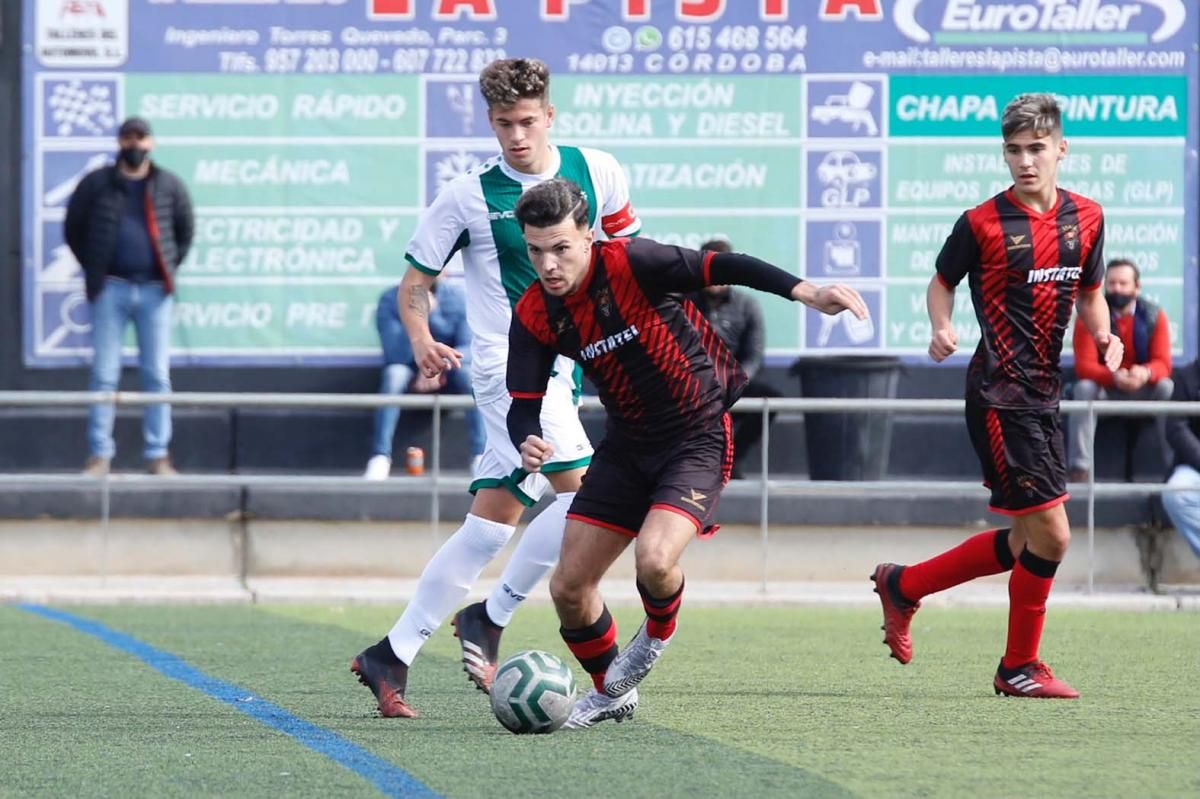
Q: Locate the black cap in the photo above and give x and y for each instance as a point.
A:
(134, 126)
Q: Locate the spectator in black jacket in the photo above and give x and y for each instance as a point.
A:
(1183, 436)
(737, 319)
(130, 226)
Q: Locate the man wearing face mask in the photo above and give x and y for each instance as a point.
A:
(130, 226)
(737, 318)
(1145, 372)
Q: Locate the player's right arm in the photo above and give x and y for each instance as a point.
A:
(441, 231)
(959, 253)
(939, 302)
(529, 365)
(431, 357)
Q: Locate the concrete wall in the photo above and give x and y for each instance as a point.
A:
(274, 549)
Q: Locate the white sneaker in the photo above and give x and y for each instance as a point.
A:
(634, 662)
(378, 468)
(596, 707)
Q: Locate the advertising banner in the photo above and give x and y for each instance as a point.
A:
(839, 139)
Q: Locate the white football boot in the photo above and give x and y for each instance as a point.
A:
(634, 662)
(596, 707)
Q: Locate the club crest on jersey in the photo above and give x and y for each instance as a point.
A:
(1070, 235)
(1054, 274)
(604, 301)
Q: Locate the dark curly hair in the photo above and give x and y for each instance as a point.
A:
(550, 202)
(506, 81)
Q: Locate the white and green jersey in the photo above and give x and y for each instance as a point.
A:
(474, 214)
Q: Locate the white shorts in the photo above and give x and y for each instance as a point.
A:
(500, 464)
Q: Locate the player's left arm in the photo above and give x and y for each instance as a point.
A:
(617, 217)
(1093, 308)
(529, 365)
(733, 268)
(1093, 312)
(665, 269)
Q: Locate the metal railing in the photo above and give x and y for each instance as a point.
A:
(765, 487)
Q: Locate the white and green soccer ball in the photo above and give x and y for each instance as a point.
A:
(533, 692)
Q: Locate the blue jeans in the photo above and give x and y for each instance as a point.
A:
(1184, 506)
(149, 309)
(395, 379)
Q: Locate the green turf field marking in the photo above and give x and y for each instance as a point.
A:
(388, 778)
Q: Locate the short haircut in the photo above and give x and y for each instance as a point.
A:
(1115, 262)
(550, 202)
(716, 245)
(507, 81)
(1039, 113)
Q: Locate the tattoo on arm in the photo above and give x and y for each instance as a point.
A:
(418, 301)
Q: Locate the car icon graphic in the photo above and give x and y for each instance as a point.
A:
(853, 108)
(843, 167)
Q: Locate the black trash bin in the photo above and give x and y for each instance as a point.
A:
(848, 446)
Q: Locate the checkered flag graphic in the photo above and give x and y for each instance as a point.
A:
(79, 109)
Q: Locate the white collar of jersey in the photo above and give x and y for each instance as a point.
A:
(522, 177)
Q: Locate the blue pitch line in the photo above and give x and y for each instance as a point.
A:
(390, 779)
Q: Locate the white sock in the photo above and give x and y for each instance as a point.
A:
(536, 554)
(445, 581)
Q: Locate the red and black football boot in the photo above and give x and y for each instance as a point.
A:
(480, 640)
(1034, 680)
(897, 611)
(386, 675)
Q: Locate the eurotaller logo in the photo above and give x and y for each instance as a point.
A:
(1070, 22)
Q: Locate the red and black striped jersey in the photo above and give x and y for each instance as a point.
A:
(659, 369)
(1025, 269)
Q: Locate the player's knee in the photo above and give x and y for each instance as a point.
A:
(1057, 542)
(566, 589)
(655, 569)
(1049, 536)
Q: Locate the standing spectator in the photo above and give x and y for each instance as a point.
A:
(737, 318)
(130, 226)
(1183, 436)
(447, 323)
(1144, 374)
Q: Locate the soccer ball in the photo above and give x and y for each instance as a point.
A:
(533, 692)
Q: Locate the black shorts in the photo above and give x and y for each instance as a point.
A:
(1022, 456)
(625, 481)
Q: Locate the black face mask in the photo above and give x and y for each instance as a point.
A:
(1118, 301)
(133, 156)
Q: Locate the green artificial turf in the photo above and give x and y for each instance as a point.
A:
(746, 702)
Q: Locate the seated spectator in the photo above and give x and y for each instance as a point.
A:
(1183, 436)
(1145, 374)
(737, 319)
(448, 323)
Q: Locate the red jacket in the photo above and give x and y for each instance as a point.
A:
(1090, 366)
